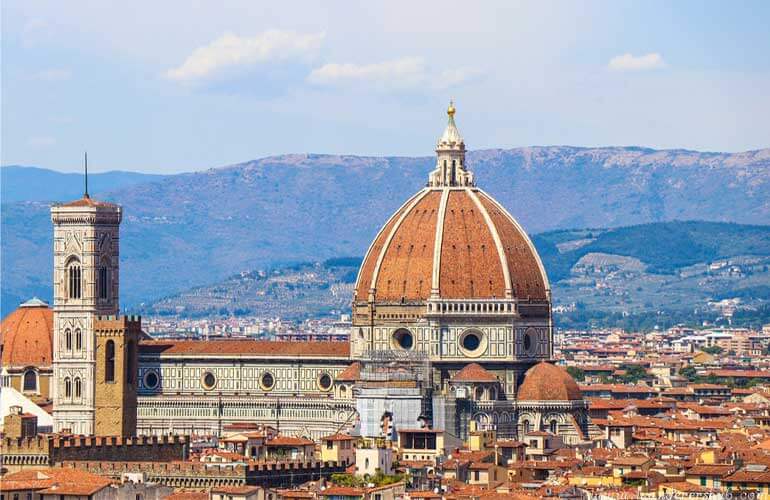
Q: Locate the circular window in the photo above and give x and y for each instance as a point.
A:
(473, 343)
(403, 338)
(209, 381)
(528, 340)
(151, 380)
(267, 381)
(325, 382)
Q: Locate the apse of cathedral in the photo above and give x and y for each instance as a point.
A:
(451, 329)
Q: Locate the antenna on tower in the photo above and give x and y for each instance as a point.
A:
(85, 195)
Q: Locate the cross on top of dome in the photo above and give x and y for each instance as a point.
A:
(450, 157)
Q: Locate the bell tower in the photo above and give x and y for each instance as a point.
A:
(85, 287)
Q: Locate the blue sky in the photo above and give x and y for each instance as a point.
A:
(179, 86)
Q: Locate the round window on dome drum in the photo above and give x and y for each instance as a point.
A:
(325, 382)
(403, 338)
(527, 341)
(472, 343)
(151, 380)
(267, 381)
(209, 381)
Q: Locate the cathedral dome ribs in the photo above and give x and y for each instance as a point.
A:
(452, 247)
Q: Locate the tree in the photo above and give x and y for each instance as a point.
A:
(689, 372)
(576, 373)
(712, 350)
(634, 373)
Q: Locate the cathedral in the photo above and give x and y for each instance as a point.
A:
(451, 324)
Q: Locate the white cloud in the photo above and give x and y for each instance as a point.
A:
(231, 51)
(630, 62)
(407, 72)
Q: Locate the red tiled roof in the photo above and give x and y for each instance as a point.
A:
(474, 372)
(289, 441)
(87, 201)
(547, 382)
(236, 490)
(58, 481)
(188, 495)
(711, 469)
(351, 373)
(255, 348)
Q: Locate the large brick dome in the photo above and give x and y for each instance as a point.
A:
(452, 243)
(27, 336)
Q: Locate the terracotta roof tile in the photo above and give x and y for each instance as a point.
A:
(87, 201)
(470, 263)
(351, 373)
(289, 441)
(547, 382)
(474, 372)
(471, 266)
(255, 348)
(27, 336)
(407, 267)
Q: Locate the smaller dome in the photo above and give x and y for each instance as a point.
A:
(27, 335)
(547, 382)
(474, 372)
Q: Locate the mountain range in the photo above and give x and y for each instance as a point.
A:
(685, 269)
(192, 229)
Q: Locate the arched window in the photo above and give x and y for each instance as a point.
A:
(67, 388)
(68, 339)
(526, 427)
(479, 393)
(553, 426)
(78, 387)
(74, 279)
(493, 393)
(109, 361)
(104, 282)
(78, 339)
(130, 368)
(30, 381)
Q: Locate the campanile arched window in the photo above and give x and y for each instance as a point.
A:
(109, 361)
(67, 388)
(68, 339)
(78, 339)
(78, 387)
(74, 279)
(103, 281)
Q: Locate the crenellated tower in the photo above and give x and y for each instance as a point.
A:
(85, 288)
